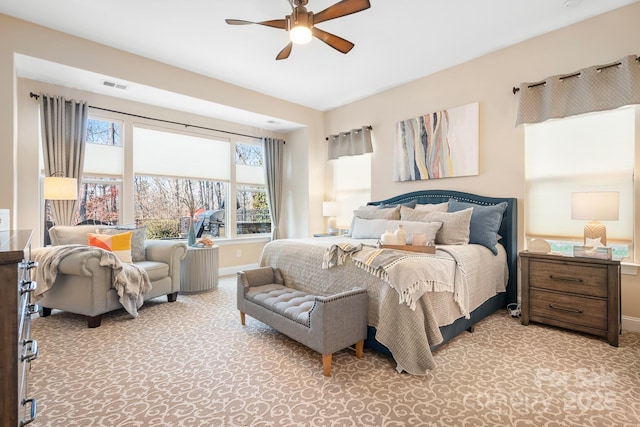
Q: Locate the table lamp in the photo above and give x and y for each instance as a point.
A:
(594, 207)
(60, 188)
(331, 210)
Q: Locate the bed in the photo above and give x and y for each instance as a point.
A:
(470, 281)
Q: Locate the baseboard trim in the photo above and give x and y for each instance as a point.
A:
(630, 324)
(235, 269)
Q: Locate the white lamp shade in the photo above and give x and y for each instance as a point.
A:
(595, 206)
(330, 209)
(60, 188)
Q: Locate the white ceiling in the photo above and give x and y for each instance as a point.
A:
(396, 41)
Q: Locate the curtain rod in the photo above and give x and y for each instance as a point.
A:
(365, 127)
(517, 89)
(186, 125)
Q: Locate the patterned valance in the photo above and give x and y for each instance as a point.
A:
(352, 143)
(596, 88)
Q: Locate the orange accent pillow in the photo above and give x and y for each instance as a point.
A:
(119, 244)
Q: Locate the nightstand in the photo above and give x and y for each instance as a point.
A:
(577, 293)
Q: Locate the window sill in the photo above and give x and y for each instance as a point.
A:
(241, 240)
(629, 268)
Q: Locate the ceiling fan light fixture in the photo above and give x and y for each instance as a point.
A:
(300, 34)
(299, 24)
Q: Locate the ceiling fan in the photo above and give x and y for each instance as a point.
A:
(301, 24)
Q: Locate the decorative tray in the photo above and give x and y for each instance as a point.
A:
(412, 248)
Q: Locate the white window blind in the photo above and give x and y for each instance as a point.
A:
(247, 174)
(102, 159)
(352, 185)
(591, 152)
(174, 154)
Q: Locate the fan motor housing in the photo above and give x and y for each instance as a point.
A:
(300, 17)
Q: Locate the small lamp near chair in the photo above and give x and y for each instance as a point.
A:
(331, 210)
(60, 188)
(57, 188)
(594, 207)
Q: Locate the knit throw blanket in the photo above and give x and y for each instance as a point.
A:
(410, 274)
(129, 280)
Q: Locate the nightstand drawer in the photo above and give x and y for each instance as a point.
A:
(569, 309)
(564, 277)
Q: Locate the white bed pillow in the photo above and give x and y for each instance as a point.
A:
(455, 225)
(374, 212)
(374, 228)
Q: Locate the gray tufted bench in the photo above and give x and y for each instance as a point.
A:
(325, 324)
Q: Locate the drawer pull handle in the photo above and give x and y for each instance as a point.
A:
(565, 278)
(33, 414)
(34, 351)
(32, 309)
(27, 265)
(27, 286)
(569, 309)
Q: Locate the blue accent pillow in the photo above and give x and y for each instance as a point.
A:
(485, 222)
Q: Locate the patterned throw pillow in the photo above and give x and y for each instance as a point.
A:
(137, 239)
(119, 244)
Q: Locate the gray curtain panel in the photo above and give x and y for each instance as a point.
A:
(273, 152)
(596, 88)
(64, 134)
(352, 143)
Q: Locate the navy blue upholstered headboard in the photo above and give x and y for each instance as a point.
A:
(508, 227)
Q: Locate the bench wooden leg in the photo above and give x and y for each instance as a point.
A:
(326, 364)
(359, 347)
(242, 318)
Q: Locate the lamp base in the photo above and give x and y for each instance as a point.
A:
(594, 230)
(331, 226)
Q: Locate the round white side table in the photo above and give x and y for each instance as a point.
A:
(199, 269)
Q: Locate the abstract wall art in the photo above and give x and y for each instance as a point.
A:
(442, 144)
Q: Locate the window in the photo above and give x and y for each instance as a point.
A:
(352, 185)
(176, 173)
(252, 209)
(99, 195)
(591, 152)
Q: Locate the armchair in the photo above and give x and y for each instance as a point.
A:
(85, 287)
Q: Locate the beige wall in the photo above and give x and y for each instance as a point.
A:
(489, 80)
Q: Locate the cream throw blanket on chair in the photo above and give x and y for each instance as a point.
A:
(129, 280)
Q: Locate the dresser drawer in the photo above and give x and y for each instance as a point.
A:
(574, 278)
(568, 309)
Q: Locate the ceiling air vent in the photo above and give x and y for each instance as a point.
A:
(114, 84)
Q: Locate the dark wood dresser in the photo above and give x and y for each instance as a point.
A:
(17, 348)
(577, 293)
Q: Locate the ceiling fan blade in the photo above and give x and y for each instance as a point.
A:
(275, 23)
(342, 8)
(338, 43)
(284, 53)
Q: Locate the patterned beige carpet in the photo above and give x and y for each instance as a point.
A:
(191, 363)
